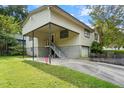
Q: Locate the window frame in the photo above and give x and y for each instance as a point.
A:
(86, 33)
(65, 34)
(96, 36)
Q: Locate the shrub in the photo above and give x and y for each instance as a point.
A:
(16, 50)
(96, 47)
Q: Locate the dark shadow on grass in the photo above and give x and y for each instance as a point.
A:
(74, 77)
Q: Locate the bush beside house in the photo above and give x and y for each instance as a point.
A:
(107, 56)
(96, 47)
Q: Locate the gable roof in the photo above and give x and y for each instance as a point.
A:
(55, 6)
(33, 12)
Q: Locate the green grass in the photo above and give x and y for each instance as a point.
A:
(15, 72)
(115, 51)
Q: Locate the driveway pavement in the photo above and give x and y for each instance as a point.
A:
(107, 72)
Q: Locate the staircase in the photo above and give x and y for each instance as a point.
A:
(57, 50)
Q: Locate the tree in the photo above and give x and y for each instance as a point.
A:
(109, 22)
(11, 18)
(8, 27)
(120, 40)
(18, 11)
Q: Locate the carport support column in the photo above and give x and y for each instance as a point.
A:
(49, 28)
(33, 45)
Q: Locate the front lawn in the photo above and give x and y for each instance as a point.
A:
(15, 72)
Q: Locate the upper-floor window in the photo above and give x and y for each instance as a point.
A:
(96, 36)
(87, 33)
(64, 34)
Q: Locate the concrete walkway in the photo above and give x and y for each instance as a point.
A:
(107, 72)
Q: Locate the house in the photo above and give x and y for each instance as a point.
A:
(113, 48)
(51, 30)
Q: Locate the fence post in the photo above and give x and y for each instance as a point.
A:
(23, 47)
(33, 45)
(49, 28)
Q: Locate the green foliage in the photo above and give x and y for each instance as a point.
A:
(96, 47)
(19, 12)
(119, 41)
(115, 51)
(16, 49)
(17, 73)
(8, 28)
(11, 18)
(109, 22)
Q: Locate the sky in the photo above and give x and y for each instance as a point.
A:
(78, 11)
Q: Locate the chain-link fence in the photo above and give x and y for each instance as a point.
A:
(3, 47)
(112, 58)
(9, 48)
(40, 52)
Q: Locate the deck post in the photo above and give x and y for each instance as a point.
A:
(33, 45)
(49, 28)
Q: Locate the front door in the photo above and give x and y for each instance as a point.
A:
(53, 38)
(53, 41)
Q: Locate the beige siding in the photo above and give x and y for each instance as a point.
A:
(29, 43)
(86, 41)
(64, 22)
(29, 46)
(37, 20)
(80, 40)
(73, 39)
(42, 37)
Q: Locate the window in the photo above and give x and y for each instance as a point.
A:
(87, 33)
(64, 34)
(96, 36)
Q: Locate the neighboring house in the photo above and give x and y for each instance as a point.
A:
(68, 36)
(113, 48)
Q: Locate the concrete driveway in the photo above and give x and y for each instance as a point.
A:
(107, 72)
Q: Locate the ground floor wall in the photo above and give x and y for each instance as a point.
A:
(29, 51)
(77, 51)
(85, 51)
(71, 51)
